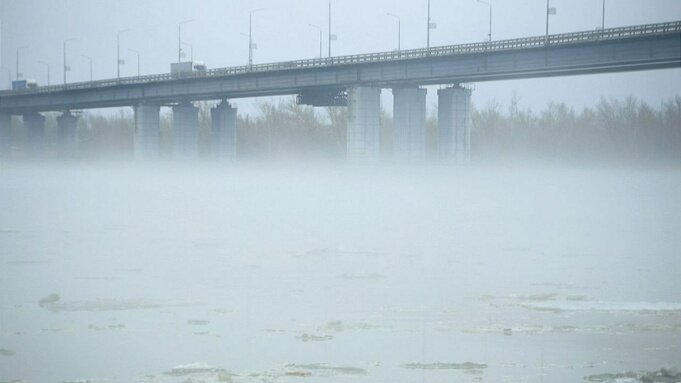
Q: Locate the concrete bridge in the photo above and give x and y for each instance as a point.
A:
(354, 81)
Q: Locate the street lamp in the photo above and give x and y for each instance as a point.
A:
(320, 37)
(489, 4)
(332, 37)
(66, 67)
(250, 35)
(48, 70)
(431, 25)
(603, 20)
(118, 52)
(179, 39)
(428, 30)
(90, 60)
(138, 60)
(399, 31)
(549, 11)
(18, 74)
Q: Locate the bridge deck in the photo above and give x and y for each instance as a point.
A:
(450, 50)
(513, 58)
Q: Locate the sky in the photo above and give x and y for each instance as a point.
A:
(282, 32)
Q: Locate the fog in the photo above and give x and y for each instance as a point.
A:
(263, 273)
(550, 254)
(282, 33)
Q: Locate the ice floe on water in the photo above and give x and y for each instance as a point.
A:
(466, 367)
(198, 322)
(445, 366)
(108, 327)
(664, 375)
(634, 307)
(304, 337)
(361, 276)
(340, 326)
(324, 369)
(54, 303)
(557, 303)
(87, 381)
(610, 329)
(206, 373)
(192, 368)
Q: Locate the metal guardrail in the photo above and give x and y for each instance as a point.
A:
(451, 50)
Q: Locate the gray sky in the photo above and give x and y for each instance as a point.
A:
(282, 33)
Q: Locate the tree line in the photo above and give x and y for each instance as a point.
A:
(612, 130)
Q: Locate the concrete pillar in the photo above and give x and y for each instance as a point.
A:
(67, 128)
(34, 124)
(364, 123)
(5, 134)
(454, 123)
(224, 131)
(147, 131)
(185, 130)
(409, 116)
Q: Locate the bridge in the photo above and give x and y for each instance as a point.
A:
(354, 81)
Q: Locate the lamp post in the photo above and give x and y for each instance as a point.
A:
(66, 67)
(118, 52)
(331, 36)
(138, 60)
(428, 31)
(90, 60)
(549, 11)
(250, 35)
(603, 18)
(489, 4)
(179, 39)
(17, 73)
(399, 31)
(48, 70)
(320, 37)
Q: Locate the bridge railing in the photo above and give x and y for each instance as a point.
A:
(461, 49)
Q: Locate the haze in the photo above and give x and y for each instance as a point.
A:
(521, 226)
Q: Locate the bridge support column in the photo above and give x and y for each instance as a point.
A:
(34, 124)
(67, 128)
(185, 131)
(147, 132)
(224, 131)
(409, 116)
(454, 123)
(364, 123)
(5, 134)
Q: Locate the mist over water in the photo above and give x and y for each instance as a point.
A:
(422, 229)
(264, 273)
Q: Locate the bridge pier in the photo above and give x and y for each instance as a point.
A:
(5, 134)
(185, 131)
(454, 123)
(67, 128)
(224, 124)
(409, 116)
(364, 123)
(147, 132)
(34, 124)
